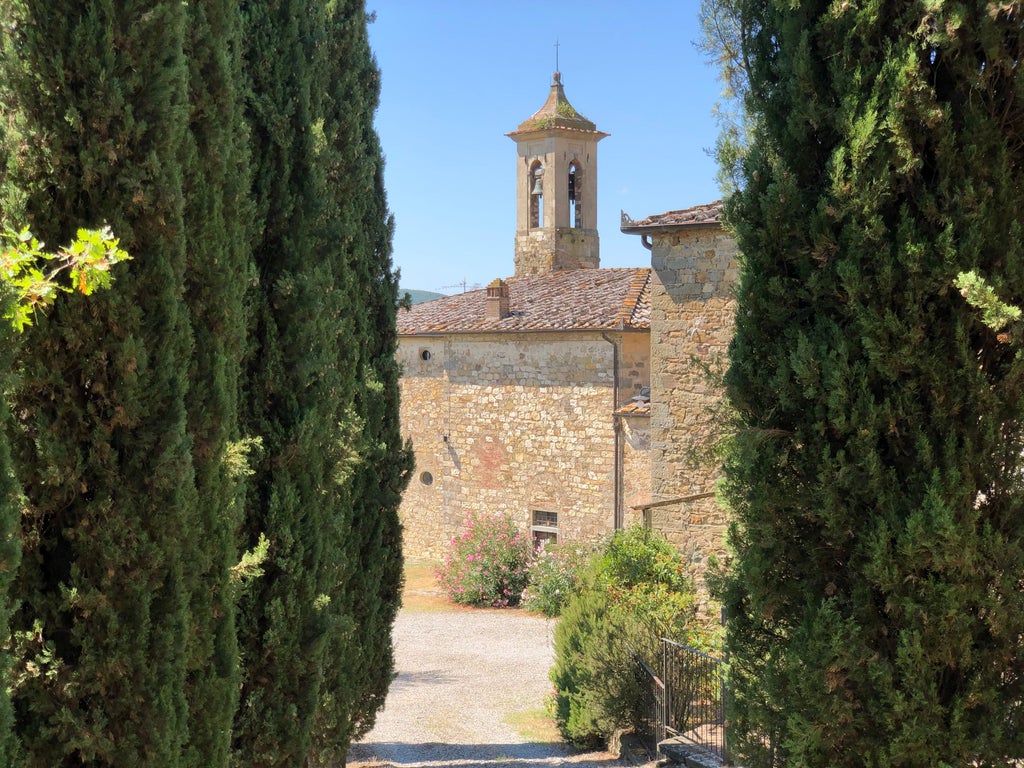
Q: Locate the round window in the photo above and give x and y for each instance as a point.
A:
(426, 478)
(424, 354)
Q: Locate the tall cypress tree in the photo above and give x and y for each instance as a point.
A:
(357, 233)
(10, 548)
(296, 396)
(218, 231)
(96, 91)
(875, 597)
(322, 392)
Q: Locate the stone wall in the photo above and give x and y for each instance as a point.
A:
(636, 430)
(636, 435)
(692, 306)
(540, 251)
(512, 423)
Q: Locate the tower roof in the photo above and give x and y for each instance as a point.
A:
(557, 112)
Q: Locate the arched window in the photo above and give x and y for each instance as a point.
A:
(575, 211)
(536, 195)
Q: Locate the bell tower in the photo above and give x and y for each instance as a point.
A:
(556, 188)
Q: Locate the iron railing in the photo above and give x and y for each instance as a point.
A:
(650, 714)
(686, 701)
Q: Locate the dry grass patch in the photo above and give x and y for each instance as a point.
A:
(421, 592)
(536, 726)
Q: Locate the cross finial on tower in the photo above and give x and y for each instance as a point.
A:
(556, 55)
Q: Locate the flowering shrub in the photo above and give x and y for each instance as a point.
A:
(554, 576)
(487, 564)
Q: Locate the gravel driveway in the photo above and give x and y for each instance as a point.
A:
(470, 691)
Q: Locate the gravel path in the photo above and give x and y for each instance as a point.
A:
(466, 680)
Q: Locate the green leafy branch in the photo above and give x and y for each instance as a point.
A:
(35, 277)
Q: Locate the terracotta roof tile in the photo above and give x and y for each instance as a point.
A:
(636, 307)
(635, 408)
(573, 300)
(709, 214)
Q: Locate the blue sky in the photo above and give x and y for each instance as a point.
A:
(457, 75)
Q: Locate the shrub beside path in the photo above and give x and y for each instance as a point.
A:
(471, 690)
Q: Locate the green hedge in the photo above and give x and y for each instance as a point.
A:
(634, 592)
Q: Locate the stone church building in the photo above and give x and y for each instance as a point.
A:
(571, 397)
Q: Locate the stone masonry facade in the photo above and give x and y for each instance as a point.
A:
(695, 271)
(518, 424)
(543, 250)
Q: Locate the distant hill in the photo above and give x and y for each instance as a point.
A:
(418, 297)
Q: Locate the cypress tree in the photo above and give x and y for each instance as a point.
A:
(357, 232)
(322, 392)
(218, 229)
(10, 548)
(875, 602)
(96, 93)
(296, 397)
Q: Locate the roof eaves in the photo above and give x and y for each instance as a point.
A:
(643, 229)
(551, 129)
(707, 216)
(494, 331)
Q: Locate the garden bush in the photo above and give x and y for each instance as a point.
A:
(555, 575)
(634, 592)
(487, 564)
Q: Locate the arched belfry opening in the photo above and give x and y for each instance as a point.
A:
(575, 190)
(536, 181)
(556, 188)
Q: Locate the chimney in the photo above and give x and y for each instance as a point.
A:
(497, 300)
